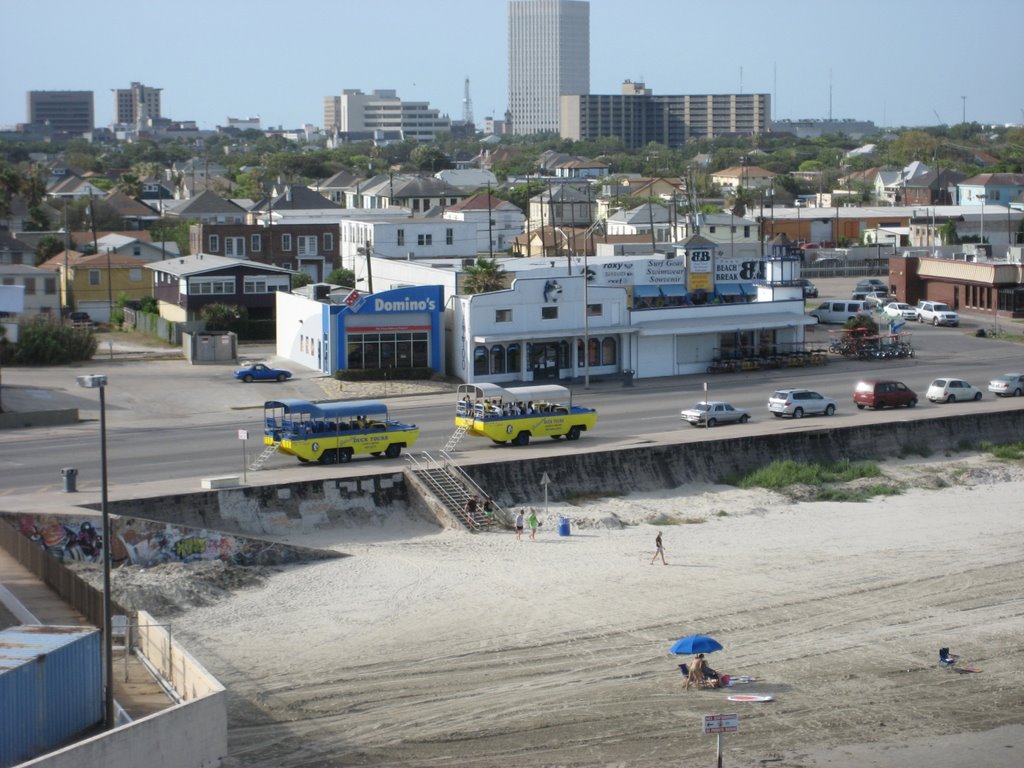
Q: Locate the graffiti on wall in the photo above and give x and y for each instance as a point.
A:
(146, 542)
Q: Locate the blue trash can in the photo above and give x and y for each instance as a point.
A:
(563, 526)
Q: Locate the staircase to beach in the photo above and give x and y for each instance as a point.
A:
(452, 488)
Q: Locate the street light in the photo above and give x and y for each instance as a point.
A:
(981, 239)
(99, 381)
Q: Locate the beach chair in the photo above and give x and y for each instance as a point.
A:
(946, 658)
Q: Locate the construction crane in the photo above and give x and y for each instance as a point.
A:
(936, 113)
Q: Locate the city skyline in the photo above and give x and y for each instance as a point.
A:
(897, 64)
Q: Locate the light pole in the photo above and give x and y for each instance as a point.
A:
(99, 381)
(981, 239)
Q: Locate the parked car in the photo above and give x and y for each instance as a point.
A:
(883, 394)
(1007, 385)
(79, 319)
(714, 412)
(877, 296)
(810, 289)
(952, 390)
(838, 311)
(937, 313)
(828, 262)
(799, 403)
(871, 284)
(251, 372)
(897, 309)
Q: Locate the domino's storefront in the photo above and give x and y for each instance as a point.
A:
(400, 328)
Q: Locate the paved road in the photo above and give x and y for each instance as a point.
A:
(167, 419)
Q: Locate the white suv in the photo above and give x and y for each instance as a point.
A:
(937, 313)
(799, 402)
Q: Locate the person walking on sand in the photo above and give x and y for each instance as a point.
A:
(519, 525)
(534, 522)
(659, 549)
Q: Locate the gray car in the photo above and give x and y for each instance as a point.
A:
(1007, 385)
(714, 412)
(799, 403)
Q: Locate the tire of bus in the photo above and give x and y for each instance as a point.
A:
(344, 455)
(393, 451)
(329, 456)
(573, 433)
(523, 438)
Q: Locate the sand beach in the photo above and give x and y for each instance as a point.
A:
(429, 647)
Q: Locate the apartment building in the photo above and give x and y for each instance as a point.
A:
(382, 110)
(640, 117)
(136, 105)
(62, 111)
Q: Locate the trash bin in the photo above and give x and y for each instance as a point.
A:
(563, 526)
(69, 474)
(627, 378)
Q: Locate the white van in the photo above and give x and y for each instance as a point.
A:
(839, 311)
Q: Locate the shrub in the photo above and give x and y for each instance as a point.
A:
(381, 374)
(47, 342)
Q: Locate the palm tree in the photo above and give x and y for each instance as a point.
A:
(742, 199)
(484, 276)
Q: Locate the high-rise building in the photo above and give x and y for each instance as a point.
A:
(62, 111)
(640, 117)
(548, 57)
(136, 105)
(382, 110)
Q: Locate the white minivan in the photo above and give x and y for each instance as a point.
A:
(839, 310)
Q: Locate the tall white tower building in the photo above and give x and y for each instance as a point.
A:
(548, 56)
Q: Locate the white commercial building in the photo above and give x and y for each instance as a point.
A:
(548, 56)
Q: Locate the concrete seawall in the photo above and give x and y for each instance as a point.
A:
(307, 506)
(661, 467)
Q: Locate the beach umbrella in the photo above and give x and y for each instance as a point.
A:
(695, 644)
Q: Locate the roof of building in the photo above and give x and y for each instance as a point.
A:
(203, 203)
(644, 214)
(995, 180)
(206, 262)
(484, 202)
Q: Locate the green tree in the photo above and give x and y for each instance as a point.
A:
(47, 247)
(343, 277)
(129, 184)
(948, 234)
(300, 279)
(484, 276)
(224, 317)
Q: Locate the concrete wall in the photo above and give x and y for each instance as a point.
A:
(193, 734)
(39, 418)
(660, 467)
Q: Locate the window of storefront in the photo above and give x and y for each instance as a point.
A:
(498, 359)
(609, 351)
(481, 364)
(513, 357)
(401, 349)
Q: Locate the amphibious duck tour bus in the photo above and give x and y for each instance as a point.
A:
(518, 413)
(334, 432)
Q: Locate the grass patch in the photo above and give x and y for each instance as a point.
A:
(721, 513)
(1007, 452)
(670, 520)
(858, 494)
(780, 475)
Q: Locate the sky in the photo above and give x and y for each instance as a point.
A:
(894, 62)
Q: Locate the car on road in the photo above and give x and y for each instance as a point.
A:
(251, 372)
(713, 412)
(828, 262)
(876, 299)
(952, 390)
(1007, 385)
(799, 403)
(937, 313)
(897, 309)
(883, 394)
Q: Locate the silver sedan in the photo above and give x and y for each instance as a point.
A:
(1007, 385)
(714, 412)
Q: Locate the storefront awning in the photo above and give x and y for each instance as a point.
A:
(534, 336)
(646, 291)
(684, 327)
(728, 289)
(673, 290)
(749, 289)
